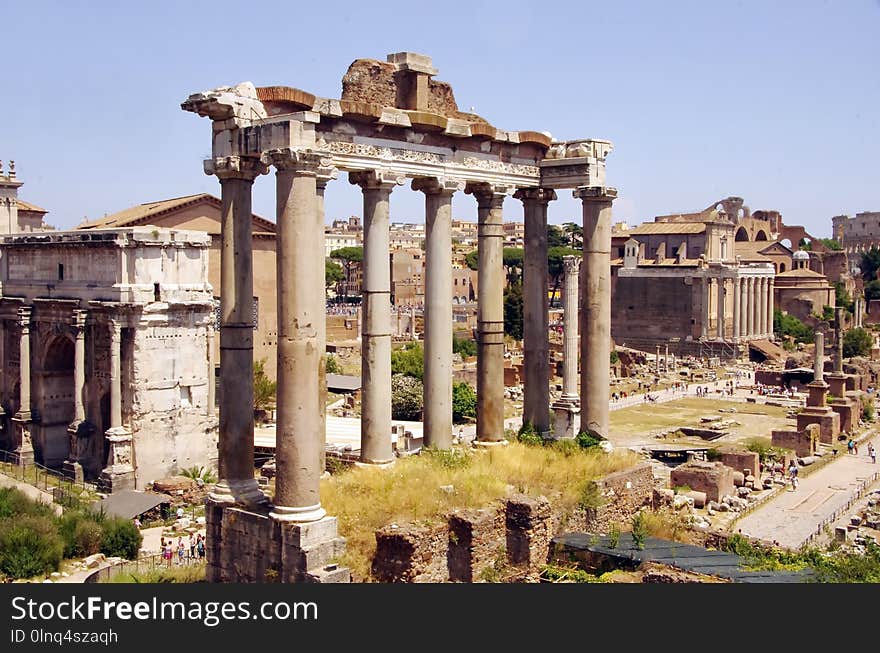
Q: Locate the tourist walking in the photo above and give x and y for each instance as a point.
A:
(200, 546)
(872, 452)
(849, 445)
(181, 550)
(192, 546)
(793, 474)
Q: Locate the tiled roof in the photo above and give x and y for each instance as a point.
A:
(654, 228)
(27, 206)
(143, 213)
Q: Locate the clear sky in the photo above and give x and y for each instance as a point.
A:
(774, 101)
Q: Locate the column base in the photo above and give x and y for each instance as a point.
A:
(567, 418)
(488, 444)
(245, 546)
(114, 479)
(304, 514)
(23, 454)
(243, 492)
(374, 465)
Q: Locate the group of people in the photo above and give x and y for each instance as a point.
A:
(852, 447)
(185, 551)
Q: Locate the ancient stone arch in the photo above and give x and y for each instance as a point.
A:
(742, 235)
(761, 235)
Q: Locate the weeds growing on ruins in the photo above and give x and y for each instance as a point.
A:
(418, 488)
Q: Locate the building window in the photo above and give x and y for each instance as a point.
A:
(61, 272)
(157, 293)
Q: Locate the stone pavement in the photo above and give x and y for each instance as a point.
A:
(794, 515)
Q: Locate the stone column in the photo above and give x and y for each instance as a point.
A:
(838, 349)
(770, 307)
(24, 451)
(490, 312)
(212, 385)
(301, 310)
(744, 307)
(437, 420)
(596, 293)
(736, 309)
(751, 306)
(536, 340)
(656, 362)
(720, 309)
(78, 430)
(236, 429)
(324, 177)
(376, 326)
(762, 307)
(704, 327)
(567, 408)
(818, 358)
(119, 471)
(666, 360)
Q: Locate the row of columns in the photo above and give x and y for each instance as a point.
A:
(752, 307)
(300, 178)
(79, 427)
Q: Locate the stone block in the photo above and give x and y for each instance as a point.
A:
(475, 537)
(802, 441)
(715, 479)
(826, 418)
(741, 461)
(699, 498)
(662, 497)
(310, 533)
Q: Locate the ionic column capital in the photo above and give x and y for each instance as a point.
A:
(595, 193)
(235, 167)
(542, 195)
(489, 196)
(438, 185)
(376, 179)
(571, 264)
(301, 162)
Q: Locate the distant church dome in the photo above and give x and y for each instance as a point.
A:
(800, 255)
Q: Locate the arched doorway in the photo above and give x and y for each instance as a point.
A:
(54, 396)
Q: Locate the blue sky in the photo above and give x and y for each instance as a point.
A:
(777, 102)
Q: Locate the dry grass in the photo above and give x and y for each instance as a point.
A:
(365, 499)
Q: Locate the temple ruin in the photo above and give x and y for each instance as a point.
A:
(393, 122)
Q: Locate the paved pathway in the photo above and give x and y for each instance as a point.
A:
(794, 515)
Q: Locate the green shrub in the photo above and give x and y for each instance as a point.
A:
(121, 538)
(529, 435)
(639, 530)
(868, 412)
(464, 346)
(614, 536)
(857, 342)
(448, 458)
(464, 401)
(29, 545)
(588, 440)
(87, 537)
(407, 395)
(332, 365)
(15, 503)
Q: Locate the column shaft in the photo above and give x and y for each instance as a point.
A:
(596, 292)
(752, 301)
(438, 311)
(490, 313)
(236, 428)
(376, 326)
(115, 374)
(570, 327)
(736, 309)
(719, 319)
(300, 288)
(79, 366)
(761, 311)
(704, 309)
(770, 305)
(536, 342)
(321, 182)
(744, 307)
(24, 369)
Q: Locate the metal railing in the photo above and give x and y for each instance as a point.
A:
(65, 491)
(143, 565)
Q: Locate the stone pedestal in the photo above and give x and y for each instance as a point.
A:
(249, 546)
(79, 433)
(846, 409)
(837, 384)
(24, 450)
(119, 473)
(566, 417)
